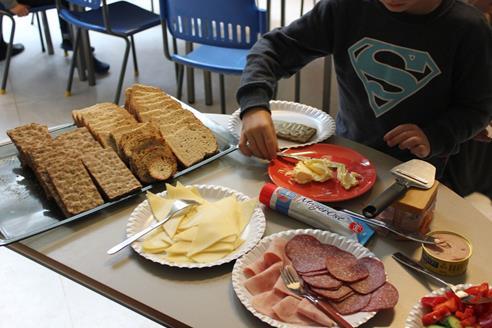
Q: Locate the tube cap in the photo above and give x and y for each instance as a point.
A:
(266, 193)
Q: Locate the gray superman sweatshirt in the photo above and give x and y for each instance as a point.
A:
(432, 70)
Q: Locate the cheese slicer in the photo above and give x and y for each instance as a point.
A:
(414, 173)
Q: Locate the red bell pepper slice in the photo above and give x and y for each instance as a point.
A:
(434, 316)
(432, 301)
(471, 321)
(451, 305)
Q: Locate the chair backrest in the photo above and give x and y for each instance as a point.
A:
(225, 23)
(93, 4)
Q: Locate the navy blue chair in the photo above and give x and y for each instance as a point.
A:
(222, 30)
(120, 19)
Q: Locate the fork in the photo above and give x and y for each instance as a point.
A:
(293, 283)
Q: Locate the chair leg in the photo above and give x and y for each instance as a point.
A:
(40, 32)
(134, 53)
(152, 5)
(68, 91)
(179, 92)
(207, 81)
(190, 76)
(32, 19)
(8, 56)
(47, 34)
(222, 94)
(122, 73)
(297, 91)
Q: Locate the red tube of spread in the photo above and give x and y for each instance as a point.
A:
(313, 213)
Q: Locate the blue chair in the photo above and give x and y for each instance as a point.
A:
(224, 31)
(121, 19)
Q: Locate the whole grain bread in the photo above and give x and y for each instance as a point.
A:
(152, 163)
(192, 143)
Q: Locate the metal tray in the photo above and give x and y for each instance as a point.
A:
(24, 209)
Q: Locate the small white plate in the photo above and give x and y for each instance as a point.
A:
(293, 112)
(326, 237)
(414, 319)
(252, 232)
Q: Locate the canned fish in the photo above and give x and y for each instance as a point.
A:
(450, 256)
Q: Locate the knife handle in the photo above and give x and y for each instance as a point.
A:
(393, 193)
(332, 313)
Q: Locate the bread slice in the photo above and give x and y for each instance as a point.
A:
(110, 173)
(192, 143)
(117, 132)
(130, 140)
(76, 193)
(155, 162)
(78, 114)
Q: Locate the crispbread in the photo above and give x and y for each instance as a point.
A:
(78, 114)
(40, 158)
(192, 143)
(75, 190)
(27, 136)
(110, 173)
(77, 141)
(293, 131)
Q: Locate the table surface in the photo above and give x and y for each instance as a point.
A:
(205, 297)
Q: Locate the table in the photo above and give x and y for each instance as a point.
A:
(205, 298)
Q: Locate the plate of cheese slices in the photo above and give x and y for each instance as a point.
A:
(225, 225)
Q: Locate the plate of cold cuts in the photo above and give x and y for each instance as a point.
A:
(338, 270)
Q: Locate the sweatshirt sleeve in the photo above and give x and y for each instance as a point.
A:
(471, 105)
(8, 3)
(282, 52)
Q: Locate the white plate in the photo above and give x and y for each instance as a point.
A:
(414, 319)
(238, 278)
(293, 112)
(251, 234)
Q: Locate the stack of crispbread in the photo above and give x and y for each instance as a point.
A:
(188, 138)
(26, 136)
(102, 119)
(57, 164)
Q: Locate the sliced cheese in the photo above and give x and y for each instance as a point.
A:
(178, 248)
(179, 259)
(180, 192)
(160, 206)
(209, 257)
(157, 242)
(245, 212)
(186, 235)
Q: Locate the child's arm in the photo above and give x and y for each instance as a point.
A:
(279, 54)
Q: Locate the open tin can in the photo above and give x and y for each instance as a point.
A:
(450, 257)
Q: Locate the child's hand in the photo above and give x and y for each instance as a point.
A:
(20, 10)
(258, 136)
(411, 137)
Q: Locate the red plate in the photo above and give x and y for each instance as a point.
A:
(331, 190)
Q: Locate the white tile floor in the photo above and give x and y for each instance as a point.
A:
(33, 296)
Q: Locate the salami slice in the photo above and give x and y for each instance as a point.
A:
(314, 273)
(352, 304)
(334, 295)
(324, 281)
(346, 267)
(385, 297)
(307, 253)
(376, 278)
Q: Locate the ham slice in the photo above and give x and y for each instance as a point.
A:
(264, 303)
(280, 288)
(263, 281)
(310, 311)
(274, 253)
(286, 310)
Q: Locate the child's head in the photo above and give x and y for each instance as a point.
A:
(417, 7)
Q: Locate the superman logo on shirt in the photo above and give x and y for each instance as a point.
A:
(390, 73)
